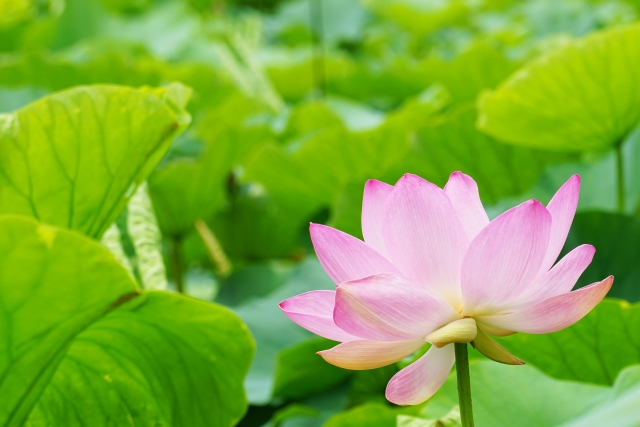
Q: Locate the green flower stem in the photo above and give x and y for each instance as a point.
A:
(464, 384)
(219, 259)
(175, 256)
(620, 170)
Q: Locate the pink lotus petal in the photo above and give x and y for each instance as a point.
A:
(561, 278)
(424, 237)
(314, 312)
(504, 258)
(385, 307)
(420, 380)
(375, 196)
(346, 258)
(554, 313)
(463, 193)
(366, 354)
(562, 208)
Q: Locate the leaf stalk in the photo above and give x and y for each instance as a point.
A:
(175, 257)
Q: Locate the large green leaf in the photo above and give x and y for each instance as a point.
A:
(507, 396)
(521, 395)
(81, 346)
(372, 414)
(581, 96)
(593, 350)
(72, 159)
(621, 409)
(503, 396)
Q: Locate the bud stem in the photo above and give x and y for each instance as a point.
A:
(464, 384)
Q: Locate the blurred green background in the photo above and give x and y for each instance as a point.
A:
(296, 103)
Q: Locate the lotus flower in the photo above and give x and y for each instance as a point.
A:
(433, 268)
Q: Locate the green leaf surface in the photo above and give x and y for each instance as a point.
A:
(372, 414)
(617, 242)
(300, 372)
(621, 409)
(72, 159)
(580, 96)
(503, 396)
(452, 419)
(507, 396)
(370, 385)
(594, 350)
(81, 346)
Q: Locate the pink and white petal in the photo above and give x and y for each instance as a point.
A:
(314, 312)
(346, 258)
(562, 208)
(504, 258)
(561, 278)
(385, 307)
(366, 354)
(555, 313)
(424, 237)
(420, 380)
(375, 197)
(463, 193)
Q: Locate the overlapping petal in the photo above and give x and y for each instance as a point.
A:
(346, 258)
(504, 258)
(463, 193)
(373, 201)
(561, 278)
(389, 308)
(424, 237)
(314, 312)
(420, 380)
(368, 354)
(555, 313)
(562, 208)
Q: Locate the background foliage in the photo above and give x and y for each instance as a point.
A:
(184, 145)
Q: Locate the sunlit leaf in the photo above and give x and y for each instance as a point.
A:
(371, 414)
(74, 158)
(506, 396)
(104, 353)
(581, 96)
